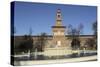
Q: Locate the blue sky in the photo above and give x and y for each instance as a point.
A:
(40, 17)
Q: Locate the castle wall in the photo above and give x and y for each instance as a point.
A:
(49, 41)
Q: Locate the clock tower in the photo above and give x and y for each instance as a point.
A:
(58, 31)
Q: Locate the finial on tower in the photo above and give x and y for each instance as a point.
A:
(59, 10)
(58, 18)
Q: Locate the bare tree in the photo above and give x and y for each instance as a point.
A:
(92, 43)
(41, 40)
(26, 44)
(69, 30)
(75, 31)
(80, 29)
(74, 35)
(94, 27)
(30, 31)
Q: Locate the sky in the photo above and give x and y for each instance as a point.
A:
(41, 16)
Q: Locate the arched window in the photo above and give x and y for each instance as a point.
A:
(58, 16)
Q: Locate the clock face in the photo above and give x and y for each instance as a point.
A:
(59, 22)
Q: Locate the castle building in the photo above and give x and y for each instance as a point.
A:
(58, 39)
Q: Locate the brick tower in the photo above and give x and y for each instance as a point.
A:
(58, 32)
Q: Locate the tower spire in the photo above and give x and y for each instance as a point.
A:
(58, 18)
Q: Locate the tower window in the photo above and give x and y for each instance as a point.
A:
(58, 15)
(58, 43)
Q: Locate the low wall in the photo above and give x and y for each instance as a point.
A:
(56, 51)
(81, 59)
